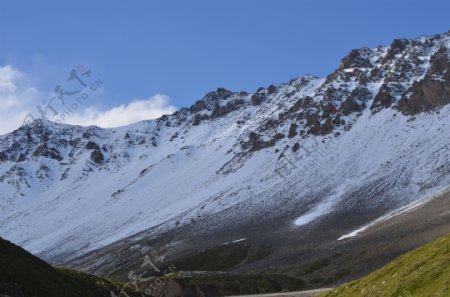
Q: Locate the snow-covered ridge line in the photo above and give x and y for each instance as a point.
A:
(363, 137)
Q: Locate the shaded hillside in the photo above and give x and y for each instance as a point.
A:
(213, 284)
(422, 272)
(23, 274)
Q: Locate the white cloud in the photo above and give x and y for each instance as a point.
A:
(8, 76)
(18, 98)
(122, 115)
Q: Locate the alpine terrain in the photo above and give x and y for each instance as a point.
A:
(321, 178)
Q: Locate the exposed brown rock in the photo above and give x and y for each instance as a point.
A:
(199, 118)
(425, 95)
(397, 46)
(44, 151)
(331, 93)
(360, 76)
(361, 93)
(349, 106)
(220, 111)
(337, 121)
(292, 130)
(375, 74)
(255, 143)
(312, 120)
(278, 136)
(97, 156)
(328, 109)
(198, 106)
(269, 124)
(314, 123)
(383, 98)
(208, 101)
(355, 59)
(327, 127)
(196, 121)
(271, 89)
(439, 65)
(92, 145)
(303, 103)
(257, 98)
(219, 94)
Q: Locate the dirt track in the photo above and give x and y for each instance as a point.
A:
(310, 293)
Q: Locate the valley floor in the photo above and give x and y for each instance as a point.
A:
(309, 293)
(311, 253)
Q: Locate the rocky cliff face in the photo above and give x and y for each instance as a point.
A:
(369, 138)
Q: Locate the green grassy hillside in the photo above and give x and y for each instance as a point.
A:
(24, 275)
(423, 272)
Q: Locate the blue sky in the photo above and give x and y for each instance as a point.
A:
(183, 49)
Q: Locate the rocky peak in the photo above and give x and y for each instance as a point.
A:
(396, 47)
(357, 58)
(213, 101)
(219, 94)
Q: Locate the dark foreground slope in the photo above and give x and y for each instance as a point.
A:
(423, 272)
(22, 274)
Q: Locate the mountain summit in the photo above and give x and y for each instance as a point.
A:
(341, 152)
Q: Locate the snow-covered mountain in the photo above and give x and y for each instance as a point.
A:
(371, 138)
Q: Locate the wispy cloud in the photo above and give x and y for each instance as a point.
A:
(135, 111)
(18, 98)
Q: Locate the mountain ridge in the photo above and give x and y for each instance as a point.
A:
(292, 155)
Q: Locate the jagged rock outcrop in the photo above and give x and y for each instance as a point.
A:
(397, 46)
(431, 92)
(258, 98)
(356, 58)
(349, 106)
(425, 95)
(383, 98)
(44, 151)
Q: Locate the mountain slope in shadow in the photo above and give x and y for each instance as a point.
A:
(24, 275)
